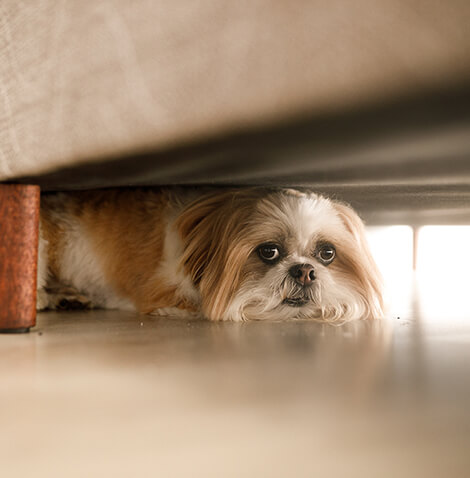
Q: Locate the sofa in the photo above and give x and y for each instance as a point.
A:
(366, 101)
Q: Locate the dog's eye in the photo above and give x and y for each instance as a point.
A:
(269, 253)
(326, 253)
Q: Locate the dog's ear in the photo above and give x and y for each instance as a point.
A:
(360, 260)
(215, 247)
(196, 226)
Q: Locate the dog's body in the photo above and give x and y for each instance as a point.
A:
(224, 254)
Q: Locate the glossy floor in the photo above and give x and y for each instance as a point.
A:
(108, 393)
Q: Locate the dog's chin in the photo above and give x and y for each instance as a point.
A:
(249, 305)
(295, 301)
(278, 309)
(295, 308)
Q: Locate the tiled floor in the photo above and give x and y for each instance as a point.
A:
(108, 393)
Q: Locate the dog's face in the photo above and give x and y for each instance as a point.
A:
(260, 254)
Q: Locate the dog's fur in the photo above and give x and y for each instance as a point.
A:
(197, 253)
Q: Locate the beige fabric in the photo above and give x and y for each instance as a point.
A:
(82, 80)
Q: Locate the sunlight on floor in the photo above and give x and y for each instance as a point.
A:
(392, 248)
(442, 265)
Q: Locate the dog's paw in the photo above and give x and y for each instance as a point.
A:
(75, 302)
(62, 299)
(175, 312)
(42, 300)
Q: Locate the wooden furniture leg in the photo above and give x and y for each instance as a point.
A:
(19, 235)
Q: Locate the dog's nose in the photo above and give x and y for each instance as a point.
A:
(303, 274)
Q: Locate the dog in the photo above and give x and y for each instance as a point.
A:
(223, 254)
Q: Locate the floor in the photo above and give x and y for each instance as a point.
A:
(107, 393)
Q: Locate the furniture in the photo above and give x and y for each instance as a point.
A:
(366, 100)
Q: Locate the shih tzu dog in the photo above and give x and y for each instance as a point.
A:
(225, 254)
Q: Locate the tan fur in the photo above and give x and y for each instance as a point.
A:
(53, 233)
(127, 242)
(130, 234)
(126, 228)
(208, 228)
(357, 261)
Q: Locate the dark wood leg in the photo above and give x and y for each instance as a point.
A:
(19, 235)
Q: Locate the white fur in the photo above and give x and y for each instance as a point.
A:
(332, 297)
(171, 269)
(42, 298)
(80, 269)
(302, 219)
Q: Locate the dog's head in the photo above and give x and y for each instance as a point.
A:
(257, 254)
